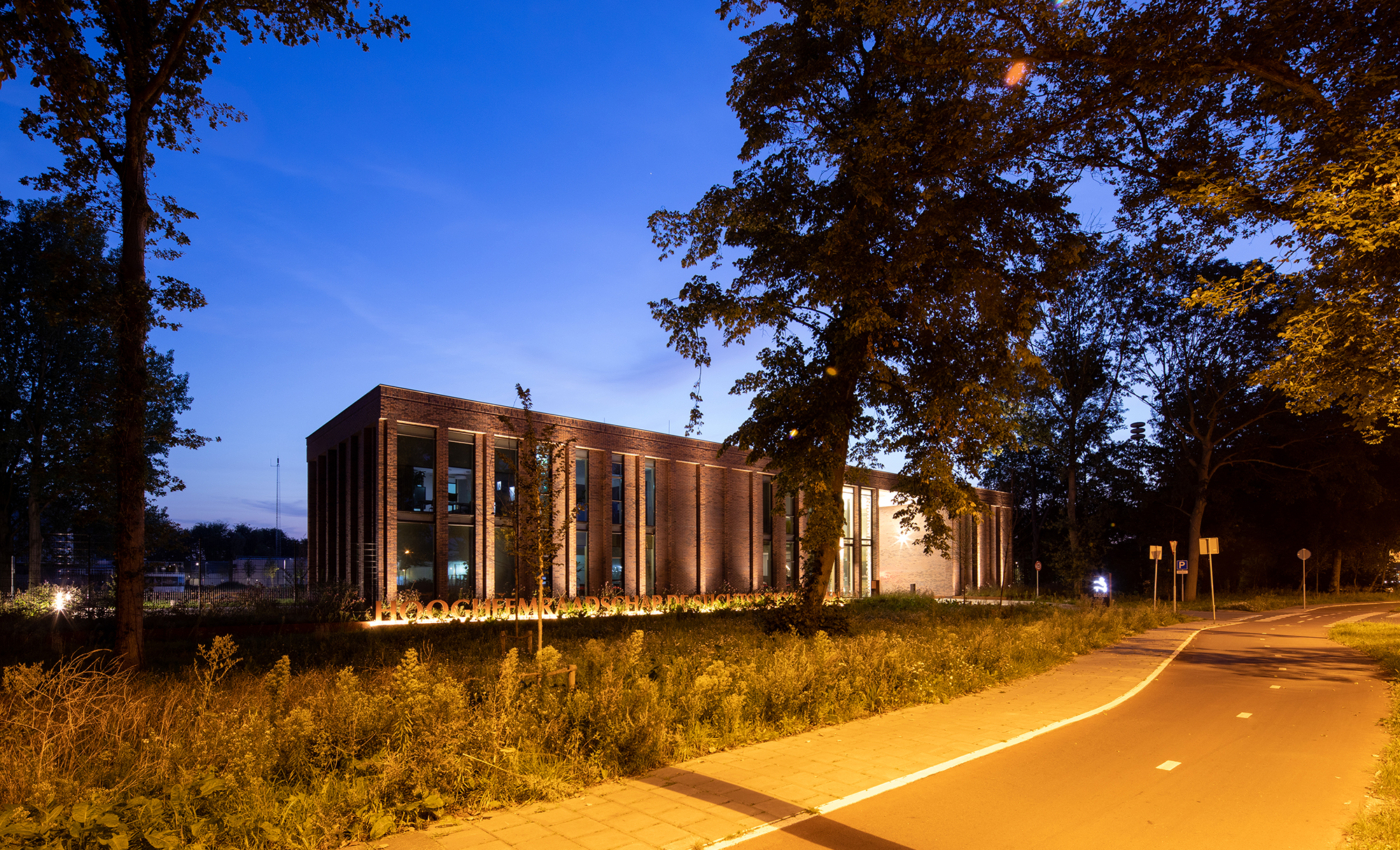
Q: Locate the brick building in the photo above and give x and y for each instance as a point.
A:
(413, 490)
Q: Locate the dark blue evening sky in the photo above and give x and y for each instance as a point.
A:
(455, 214)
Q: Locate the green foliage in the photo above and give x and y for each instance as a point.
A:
(889, 238)
(1378, 827)
(804, 620)
(224, 753)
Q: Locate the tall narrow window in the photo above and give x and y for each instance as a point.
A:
(461, 560)
(767, 506)
(767, 563)
(617, 489)
(651, 564)
(506, 459)
(581, 486)
(790, 513)
(581, 562)
(847, 551)
(505, 562)
(461, 463)
(416, 446)
(415, 560)
(617, 580)
(867, 535)
(651, 493)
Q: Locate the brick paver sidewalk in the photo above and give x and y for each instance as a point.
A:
(718, 796)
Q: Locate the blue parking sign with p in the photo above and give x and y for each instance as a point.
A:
(1181, 568)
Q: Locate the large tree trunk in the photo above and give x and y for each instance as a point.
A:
(36, 532)
(824, 516)
(1072, 523)
(1337, 571)
(129, 430)
(1193, 546)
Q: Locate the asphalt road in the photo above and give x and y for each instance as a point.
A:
(1262, 734)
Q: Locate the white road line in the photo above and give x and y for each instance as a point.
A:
(1275, 617)
(1274, 687)
(891, 785)
(1169, 765)
(1245, 714)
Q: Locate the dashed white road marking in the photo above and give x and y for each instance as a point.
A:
(1274, 687)
(1169, 765)
(1245, 714)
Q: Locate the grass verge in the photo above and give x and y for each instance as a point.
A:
(351, 737)
(1378, 827)
(1272, 601)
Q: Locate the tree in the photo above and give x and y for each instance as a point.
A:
(120, 80)
(56, 277)
(1090, 347)
(540, 531)
(51, 262)
(1199, 373)
(1245, 117)
(893, 240)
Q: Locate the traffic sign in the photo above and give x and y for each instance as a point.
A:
(1154, 552)
(1210, 545)
(1181, 569)
(1037, 565)
(1304, 554)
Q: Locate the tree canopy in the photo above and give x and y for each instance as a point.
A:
(119, 81)
(889, 239)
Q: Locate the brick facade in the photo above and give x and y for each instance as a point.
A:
(708, 534)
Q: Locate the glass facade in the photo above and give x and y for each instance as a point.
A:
(767, 505)
(581, 561)
(506, 460)
(461, 560)
(415, 462)
(415, 560)
(461, 467)
(617, 489)
(651, 564)
(617, 579)
(581, 486)
(651, 493)
(505, 562)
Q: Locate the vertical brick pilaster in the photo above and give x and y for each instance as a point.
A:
(440, 512)
(314, 523)
(632, 523)
(355, 514)
(389, 553)
(370, 522)
(343, 508)
(487, 568)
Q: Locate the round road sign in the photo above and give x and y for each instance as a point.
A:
(1304, 554)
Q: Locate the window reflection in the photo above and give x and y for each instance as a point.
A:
(415, 473)
(415, 559)
(461, 462)
(505, 476)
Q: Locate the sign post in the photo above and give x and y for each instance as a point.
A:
(1037, 579)
(1173, 545)
(1155, 553)
(1304, 555)
(1211, 546)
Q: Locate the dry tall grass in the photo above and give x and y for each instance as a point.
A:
(223, 754)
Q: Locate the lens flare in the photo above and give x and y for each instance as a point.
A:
(1015, 74)
(60, 599)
